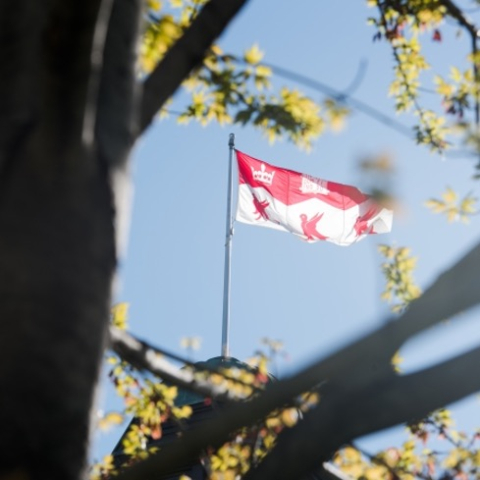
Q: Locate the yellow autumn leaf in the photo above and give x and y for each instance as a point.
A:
(263, 71)
(435, 205)
(452, 214)
(468, 205)
(449, 195)
(120, 315)
(443, 88)
(253, 55)
(154, 5)
(289, 417)
(455, 74)
(375, 472)
(397, 360)
(351, 455)
(110, 420)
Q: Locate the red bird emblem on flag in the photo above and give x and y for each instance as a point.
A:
(361, 225)
(260, 208)
(309, 227)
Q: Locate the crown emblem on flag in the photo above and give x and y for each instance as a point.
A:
(262, 175)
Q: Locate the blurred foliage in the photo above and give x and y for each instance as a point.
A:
(398, 267)
(377, 175)
(401, 23)
(119, 315)
(235, 89)
(453, 207)
(151, 402)
(433, 450)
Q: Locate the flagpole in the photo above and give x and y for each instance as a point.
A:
(228, 253)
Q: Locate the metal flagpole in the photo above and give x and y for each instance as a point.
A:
(228, 253)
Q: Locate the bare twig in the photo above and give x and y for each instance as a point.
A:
(455, 12)
(341, 96)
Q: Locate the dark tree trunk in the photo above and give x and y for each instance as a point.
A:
(57, 253)
(68, 119)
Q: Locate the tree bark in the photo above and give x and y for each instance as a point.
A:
(68, 116)
(57, 253)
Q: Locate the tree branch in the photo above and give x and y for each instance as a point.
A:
(144, 357)
(458, 15)
(187, 53)
(117, 100)
(341, 417)
(115, 108)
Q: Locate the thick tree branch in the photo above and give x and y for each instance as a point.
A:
(185, 55)
(116, 108)
(341, 417)
(144, 357)
(366, 362)
(328, 471)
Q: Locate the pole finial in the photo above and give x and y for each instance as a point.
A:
(231, 140)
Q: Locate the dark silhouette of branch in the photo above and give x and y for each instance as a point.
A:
(343, 415)
(328, 471)
(455, 12)
(458, 15)
(117, 99)
(115, 112)
(142, 356)
(186, 54)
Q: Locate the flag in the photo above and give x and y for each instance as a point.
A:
(308, 207)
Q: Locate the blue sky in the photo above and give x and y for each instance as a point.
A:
(313, 297)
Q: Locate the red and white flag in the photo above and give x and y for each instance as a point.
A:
(306, 206)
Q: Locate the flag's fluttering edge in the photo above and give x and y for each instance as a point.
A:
(306, 206)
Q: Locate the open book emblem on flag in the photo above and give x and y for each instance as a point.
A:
(311, 208)
(313, 185)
